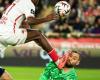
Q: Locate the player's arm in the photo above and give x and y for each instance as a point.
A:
(35, 21)
(29, 12)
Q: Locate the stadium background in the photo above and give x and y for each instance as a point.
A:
(80, 31)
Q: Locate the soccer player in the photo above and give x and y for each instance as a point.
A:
(52, 72)
(12, 34)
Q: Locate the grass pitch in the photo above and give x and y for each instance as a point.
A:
(33, 73)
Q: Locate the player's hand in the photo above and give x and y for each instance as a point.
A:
(52, 16)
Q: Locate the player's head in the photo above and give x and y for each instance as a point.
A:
(73, 59)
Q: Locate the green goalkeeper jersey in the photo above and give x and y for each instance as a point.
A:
(51, 72)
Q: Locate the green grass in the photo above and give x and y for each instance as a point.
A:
(88, 74)
(33, 73)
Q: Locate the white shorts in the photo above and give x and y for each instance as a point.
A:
(8, 37)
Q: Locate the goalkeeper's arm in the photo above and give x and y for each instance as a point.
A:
(59, 61)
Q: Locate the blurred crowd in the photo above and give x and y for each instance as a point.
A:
(83, 21)
(3, 5)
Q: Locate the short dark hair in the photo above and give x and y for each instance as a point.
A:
(74, 51)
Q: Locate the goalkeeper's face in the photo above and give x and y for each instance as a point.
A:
(73, 59)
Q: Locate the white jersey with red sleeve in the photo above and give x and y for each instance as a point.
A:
(16, 13)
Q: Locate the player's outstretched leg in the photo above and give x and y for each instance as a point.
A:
(41, 40)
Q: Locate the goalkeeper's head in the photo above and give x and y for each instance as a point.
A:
(69, 59)
(73, 58)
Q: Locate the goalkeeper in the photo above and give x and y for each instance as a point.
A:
(64, 71)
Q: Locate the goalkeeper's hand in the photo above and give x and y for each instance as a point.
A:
(62, 61)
